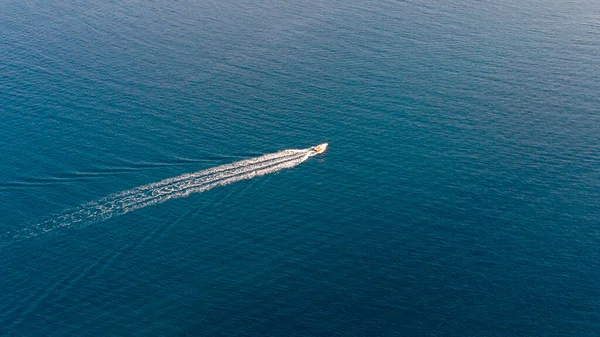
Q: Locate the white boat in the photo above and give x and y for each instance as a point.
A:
(320, 148)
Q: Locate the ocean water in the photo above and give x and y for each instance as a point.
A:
(460, 195)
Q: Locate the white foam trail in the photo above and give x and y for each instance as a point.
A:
(176, 187)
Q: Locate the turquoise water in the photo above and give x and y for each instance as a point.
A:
(459, 196)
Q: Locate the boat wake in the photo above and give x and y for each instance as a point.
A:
(159, 192)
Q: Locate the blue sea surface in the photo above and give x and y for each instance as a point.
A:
(460, 195)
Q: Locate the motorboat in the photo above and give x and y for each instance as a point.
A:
(320, 148)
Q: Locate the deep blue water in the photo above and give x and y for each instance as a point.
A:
(460, 195)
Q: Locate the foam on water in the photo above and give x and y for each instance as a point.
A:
(159, 192)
